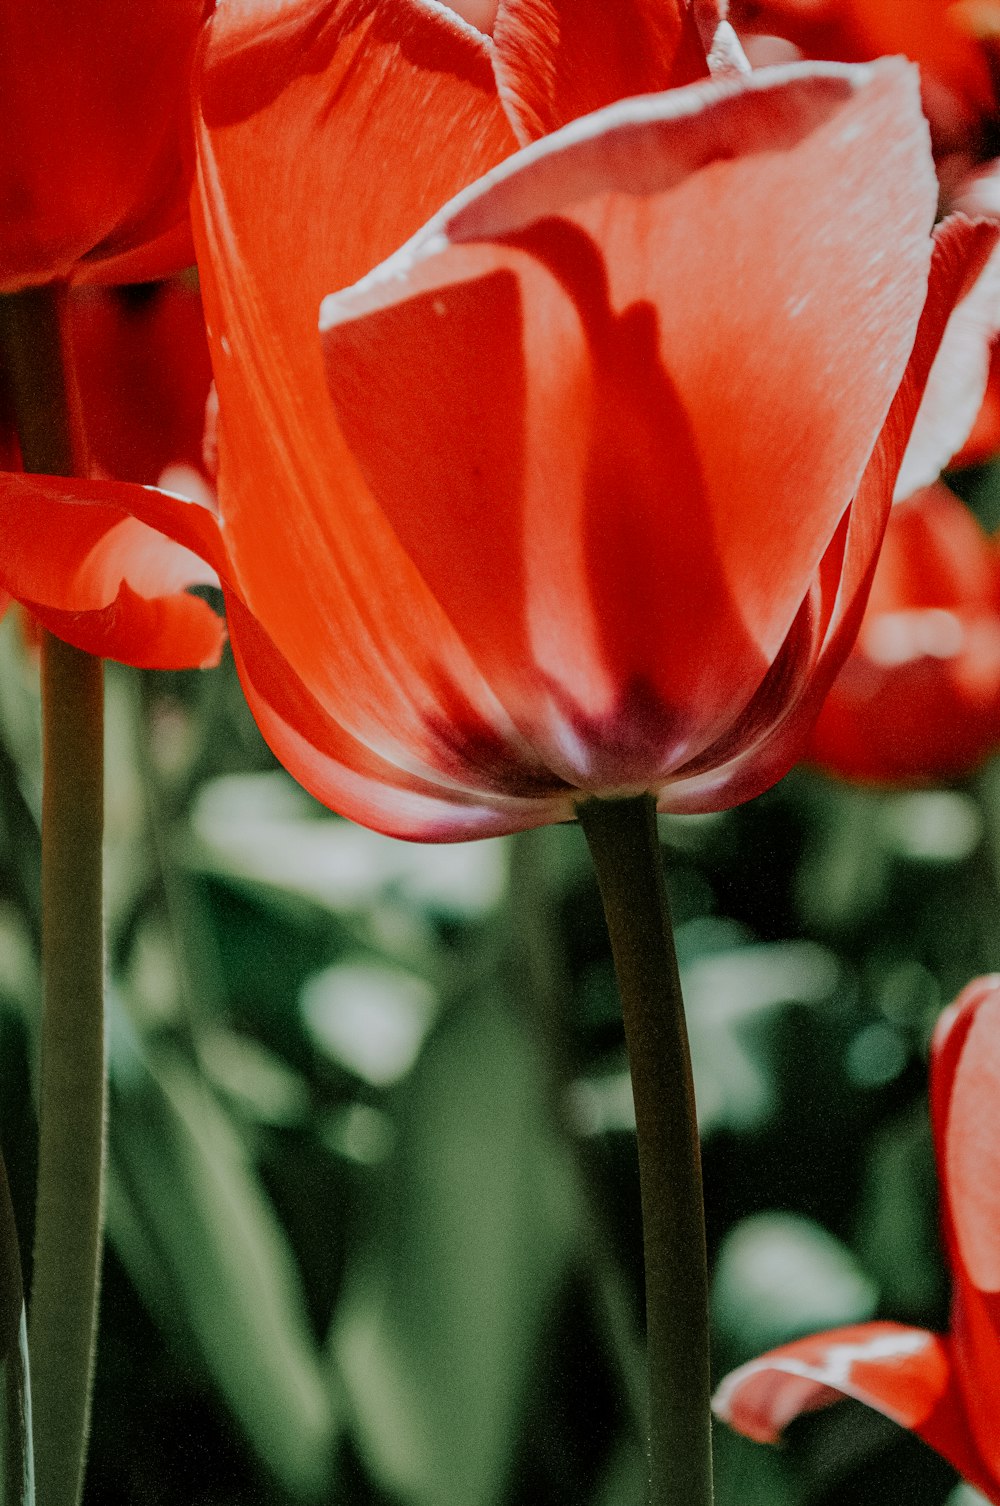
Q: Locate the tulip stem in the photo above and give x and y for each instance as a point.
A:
(73, 1075)
(623, 841)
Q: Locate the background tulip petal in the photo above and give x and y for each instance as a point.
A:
(556, 60)
(965, 1083)
(105, 581)
(919, 696)
(666, 316)
(905, 1373)
(143, 370)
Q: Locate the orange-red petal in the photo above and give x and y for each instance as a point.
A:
(365, 117)
(95, 153)
(960, 249)
(105, 581)
(905, 1373)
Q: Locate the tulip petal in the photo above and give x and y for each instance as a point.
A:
(314, 98)
(965, 1084)
(94, 137)
(956, 385)
(961, 247)
(690, 312)
(104, 581)
(905, 1373)
(351, 778)
(556, 60)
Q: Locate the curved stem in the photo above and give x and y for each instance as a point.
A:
(623, 842)
(64, 1295)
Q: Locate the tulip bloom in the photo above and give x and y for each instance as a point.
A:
(942, 1387)
(95, 156)
(543, 530)
(589, 493)
(919, 696)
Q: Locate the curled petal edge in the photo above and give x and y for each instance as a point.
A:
(115, 586)
(907, 1374)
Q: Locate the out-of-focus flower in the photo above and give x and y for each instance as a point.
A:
(954, 41)
(107, 583)
(592, 500)
(919, 697)
(144, 375)
(942, 1387)
(95, 153)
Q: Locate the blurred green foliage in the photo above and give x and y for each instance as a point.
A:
(373, 1231)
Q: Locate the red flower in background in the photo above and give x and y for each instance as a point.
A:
(954, 42)
(111, 584)
(919, 697)
(144, 372)
(95, 154)
(944, 1388)
(95, 167)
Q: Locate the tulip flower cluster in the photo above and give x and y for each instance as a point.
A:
(565, 371)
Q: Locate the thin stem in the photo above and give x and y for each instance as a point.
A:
(63, 1309)
(624, 845)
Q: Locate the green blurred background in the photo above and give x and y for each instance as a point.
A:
(373, 1232)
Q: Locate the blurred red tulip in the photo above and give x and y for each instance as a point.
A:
(953, 48)
(919, 697)
(941, 1387)
(95, 155)
(103, 581)
(142, 366)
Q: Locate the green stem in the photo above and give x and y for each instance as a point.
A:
(624, 845)
(63, 1309)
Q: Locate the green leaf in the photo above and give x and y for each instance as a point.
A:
(442, 1312)
(204, 1248)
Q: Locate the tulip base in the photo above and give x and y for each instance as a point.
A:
(624, 844)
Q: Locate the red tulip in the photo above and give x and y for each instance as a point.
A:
(946, 1389)
(588, 497)
(919, 696)
(95, 157)
(107, 582)
(498, 605)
